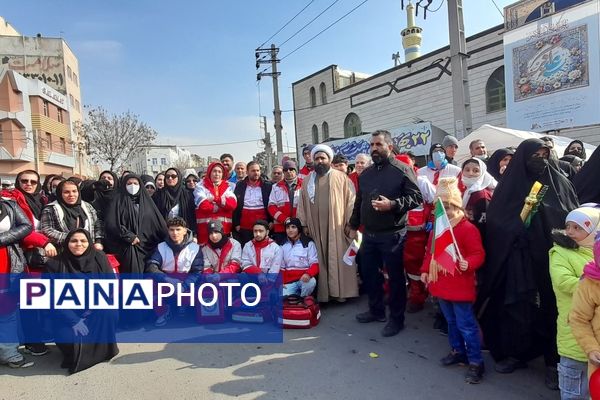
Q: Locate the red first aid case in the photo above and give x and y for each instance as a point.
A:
(214, 314)
(300, 312)
(114, 263)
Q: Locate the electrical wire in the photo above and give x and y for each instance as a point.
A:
(323, 31)
(498, 8)
(308, 23)
(287, 23)
(437, 9)
(217, 144)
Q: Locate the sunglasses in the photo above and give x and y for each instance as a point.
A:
(288, 169)
(171, 176)
(28, 181)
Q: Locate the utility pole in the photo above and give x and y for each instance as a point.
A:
(267, 141)
(274, 74)
(463, 124)
(36, 157)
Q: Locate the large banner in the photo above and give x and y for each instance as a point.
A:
(552, 71)
(416, 138)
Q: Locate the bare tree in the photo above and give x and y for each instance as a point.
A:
(113, 138)
(183, 161)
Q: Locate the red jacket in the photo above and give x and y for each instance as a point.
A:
(213, 202)
(461, 285)
(354, 178)
(304, 171)
(280, 207)
(35, 238)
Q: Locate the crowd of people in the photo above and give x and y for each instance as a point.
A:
(524, 276)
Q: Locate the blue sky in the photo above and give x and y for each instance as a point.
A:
(187, 67)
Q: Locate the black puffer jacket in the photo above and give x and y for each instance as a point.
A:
(20, 227)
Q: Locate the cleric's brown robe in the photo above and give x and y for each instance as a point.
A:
(325, 219)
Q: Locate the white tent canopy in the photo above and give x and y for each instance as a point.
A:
(496, 138)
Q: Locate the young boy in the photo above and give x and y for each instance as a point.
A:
(262, 255)
(177, 259)
(456, 290)
(222, 254)
(300, 261)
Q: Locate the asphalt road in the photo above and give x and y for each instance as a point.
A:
(331, 361)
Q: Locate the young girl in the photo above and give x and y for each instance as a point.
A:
(583, 318)
(572, 250)
(477, 195)
(456, 290)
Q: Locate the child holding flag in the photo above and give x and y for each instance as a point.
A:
(454, 253)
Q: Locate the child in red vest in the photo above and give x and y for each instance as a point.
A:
(455, 289)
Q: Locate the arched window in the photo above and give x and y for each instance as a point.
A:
(352, 126)
(315, 134)
(495, 95)
(313, 96)
(325, 129)
(323, 93)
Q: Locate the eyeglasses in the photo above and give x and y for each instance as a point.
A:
(171, 176)
(28, 181)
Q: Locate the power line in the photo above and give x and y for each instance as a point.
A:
(498, 8)
(287, 23)
(216, 144)
(308, 23)
(323, 31)
(437, 9)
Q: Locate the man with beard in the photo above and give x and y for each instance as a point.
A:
(240, 170)
(252, 203)
(308, 162)
(325, 206)
(227, 160)
(283, 201)
(386, 192)
(478, 149)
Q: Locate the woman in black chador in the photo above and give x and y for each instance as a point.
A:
(586, 181)
(516, 304)
(84, 337)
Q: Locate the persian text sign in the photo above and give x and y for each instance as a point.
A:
(416, 138)
(552, 71)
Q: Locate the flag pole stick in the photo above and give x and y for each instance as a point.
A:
(460, 257)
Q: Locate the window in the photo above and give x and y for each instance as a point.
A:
(495, 95)
(77, 105)
(154, 161)
(71, 102)
(60, 116)
(69, 72)
(323, 93)
(352, 126)
(315, 134)
(48, 141)
(63, 145)
(313, 97)
(46, 111)
(75, 79)
(325, 129)
(163, 161)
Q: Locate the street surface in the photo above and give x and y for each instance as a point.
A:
(332, 361)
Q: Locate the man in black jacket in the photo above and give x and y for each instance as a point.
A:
(252, 203)
(387, 190)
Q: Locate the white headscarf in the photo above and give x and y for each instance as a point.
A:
(485, 180)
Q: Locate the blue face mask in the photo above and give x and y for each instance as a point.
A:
(438, 157)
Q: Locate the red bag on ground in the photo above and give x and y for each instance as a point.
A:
(300, 312)
(114, 263)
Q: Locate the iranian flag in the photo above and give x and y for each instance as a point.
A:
(444, 251)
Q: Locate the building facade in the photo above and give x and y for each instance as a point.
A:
(34, 127)
(51, 61)
(415, 91)
(151, 160)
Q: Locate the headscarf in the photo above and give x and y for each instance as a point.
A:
(169, 197)
(114, 176)
(217, 191)
(493, 163)
(586, 181)
(52, 196)
(156, 179)
(46, 186)
(91, 261)
(75, 217)
(133, 215)
(87, 189)
(581, 155)
(34, 200)
(147, 178)
(484, 181)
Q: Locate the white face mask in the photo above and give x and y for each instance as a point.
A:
(468, 182)
(133, 188)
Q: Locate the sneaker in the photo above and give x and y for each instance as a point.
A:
(162, 320)
(509, 365)
(367, 317)
(36, 349)
(22, 363)
(453, 358)
(412, 308)
(474, 374)
(392, 328)
(551, 378)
